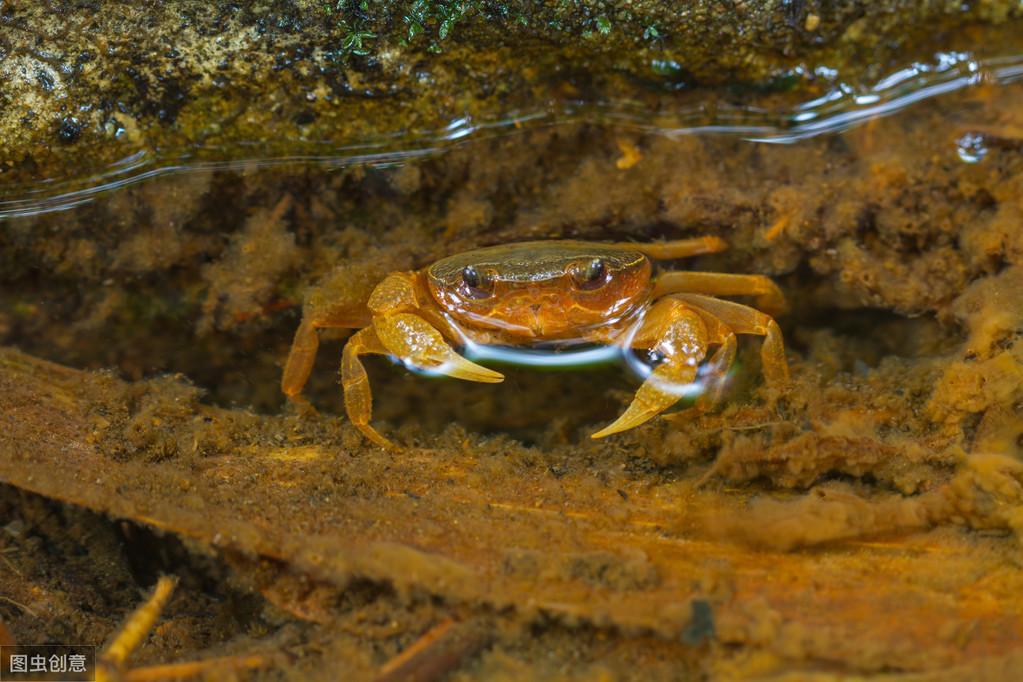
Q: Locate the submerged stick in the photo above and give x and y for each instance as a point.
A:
(442, 649)
(209, 666)
(135, 630)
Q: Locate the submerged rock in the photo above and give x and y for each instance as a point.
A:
(89, 85)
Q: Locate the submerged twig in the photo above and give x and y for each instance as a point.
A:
(442, 649)
(20, 606)
(134, 631)
(195, 668)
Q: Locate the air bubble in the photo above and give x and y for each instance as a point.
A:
(971, 147)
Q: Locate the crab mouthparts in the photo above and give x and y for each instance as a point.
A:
(536, 324)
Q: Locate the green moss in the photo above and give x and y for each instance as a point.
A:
(423, 22)
(354, 42)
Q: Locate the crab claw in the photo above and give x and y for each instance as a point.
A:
(654, 396)
(413, 340)
(454, 365)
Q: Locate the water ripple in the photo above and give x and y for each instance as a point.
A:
(840, 108)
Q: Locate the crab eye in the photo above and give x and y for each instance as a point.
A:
(477, 285)
(591, 274)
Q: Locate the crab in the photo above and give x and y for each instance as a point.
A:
(553, 295)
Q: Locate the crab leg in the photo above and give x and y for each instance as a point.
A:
(300, 359)
(745, 320)
(680, 335)
(716, 369)
(768, 295)
(680, 248)
(355, 382)
(719, 364)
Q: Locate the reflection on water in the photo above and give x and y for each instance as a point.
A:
(640, 363)
(582, 355)
(841, 107)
